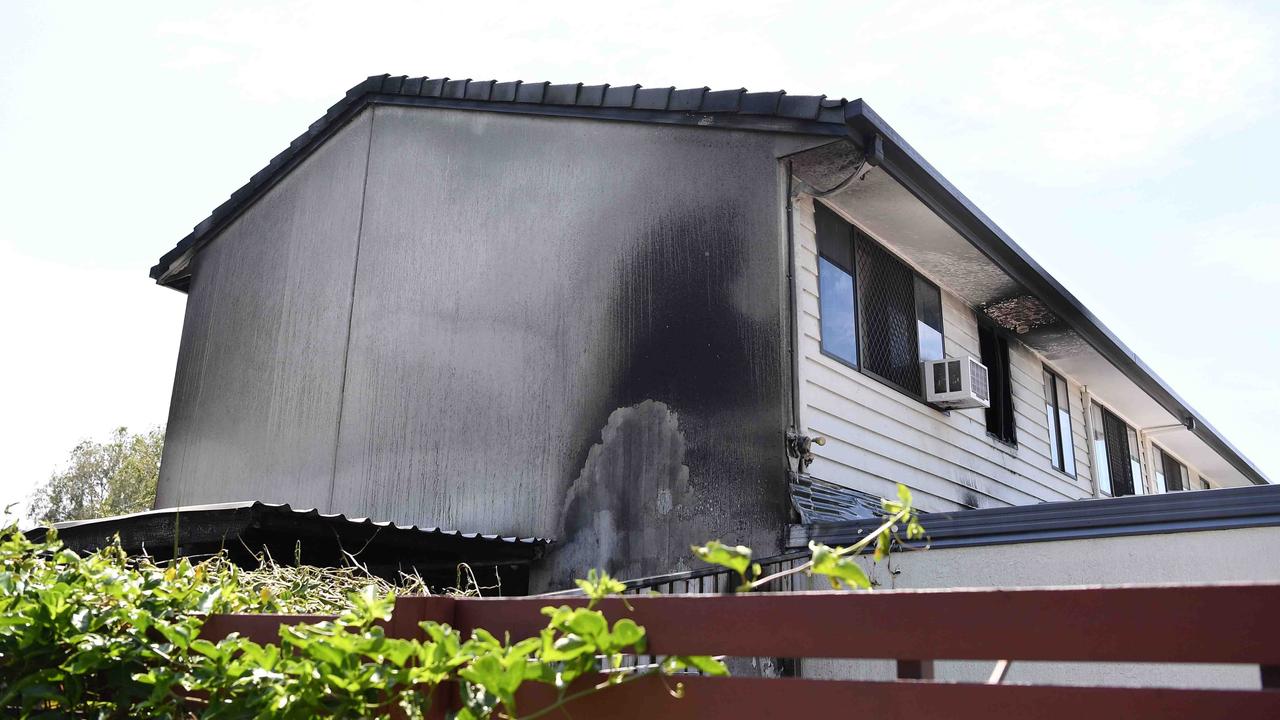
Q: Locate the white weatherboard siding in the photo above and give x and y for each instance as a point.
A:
(877, 436)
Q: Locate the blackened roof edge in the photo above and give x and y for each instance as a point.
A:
(286, 509)
(738, 109)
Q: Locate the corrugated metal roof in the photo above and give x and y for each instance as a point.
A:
(1200, 510)
(285, 508)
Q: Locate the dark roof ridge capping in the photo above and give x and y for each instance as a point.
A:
(774, 111)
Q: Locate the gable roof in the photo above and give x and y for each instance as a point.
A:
(774, 111)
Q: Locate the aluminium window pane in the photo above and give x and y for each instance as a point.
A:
(836, 311)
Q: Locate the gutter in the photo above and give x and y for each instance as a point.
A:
(897, 158)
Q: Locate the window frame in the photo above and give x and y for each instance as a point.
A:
(856, 237)
(1004, 365)
(1161, 462)
(1133, 449)
(1060, 441)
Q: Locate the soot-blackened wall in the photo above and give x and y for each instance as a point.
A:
(559, 327)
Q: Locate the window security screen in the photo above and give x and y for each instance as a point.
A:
(886, 294)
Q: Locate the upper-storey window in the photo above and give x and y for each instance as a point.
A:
(838, 312)
(1057, 401)
(1170, 475)
(875, 312)
(1116, 458)
(994, 348)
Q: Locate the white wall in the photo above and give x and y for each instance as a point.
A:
(1249, 554)
(877, 436)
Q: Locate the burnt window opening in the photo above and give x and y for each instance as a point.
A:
(994, 348)
(876, 313)
(1170, 474)
(1117, 459)
(1062, 452)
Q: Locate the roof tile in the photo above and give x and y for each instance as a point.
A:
(722, 100)
(804, 107)
(531, 92)
(687, 100)
(760, 103)
(562, 94)
(455, 89)
(620, 95)
(479, 89)
(433, 87)
(592, 95)
(652, 98)
(505, 91)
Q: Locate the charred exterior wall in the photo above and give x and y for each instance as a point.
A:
(557, 327)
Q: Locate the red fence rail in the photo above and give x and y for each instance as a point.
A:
(1237, 624)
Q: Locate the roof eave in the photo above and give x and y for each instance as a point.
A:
(897, 158)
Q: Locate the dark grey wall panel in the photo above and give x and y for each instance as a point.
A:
(256, 398)
(570, 328)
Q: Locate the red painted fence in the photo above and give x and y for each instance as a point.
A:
(1165, 624)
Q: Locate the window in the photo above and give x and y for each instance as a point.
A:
(994, 348)
(1204, 484)
(875, 313)
(837, 314)
(1170, 475)
(1117, 459)
(1062, 452)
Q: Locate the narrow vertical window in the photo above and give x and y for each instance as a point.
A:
(837, 314)
(1058, 413)
(994, 349)
(929, 320)
(1170, 475)
(1118, 452)
(1101, 468)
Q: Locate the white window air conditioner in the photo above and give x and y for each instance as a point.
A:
(956, 383)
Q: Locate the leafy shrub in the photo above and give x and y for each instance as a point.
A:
(104, 636)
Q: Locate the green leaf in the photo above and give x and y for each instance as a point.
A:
(842, 570)
(734, 557)
(704, 663)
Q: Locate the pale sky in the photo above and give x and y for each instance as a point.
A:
(1130, 148)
